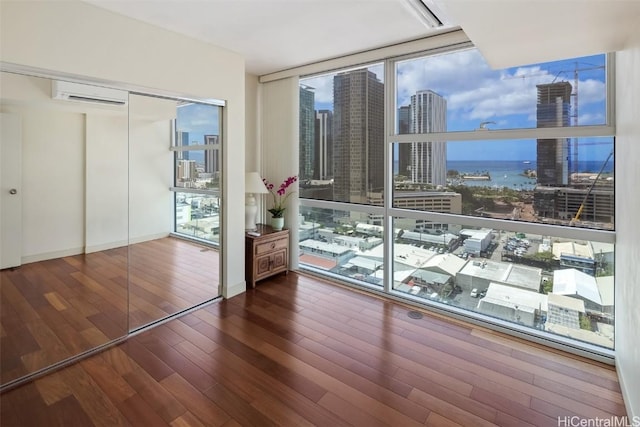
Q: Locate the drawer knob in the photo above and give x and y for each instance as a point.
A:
(273, 245)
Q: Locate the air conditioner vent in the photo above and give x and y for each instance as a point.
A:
(69, 91)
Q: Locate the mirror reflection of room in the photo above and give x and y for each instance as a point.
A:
(97, 240)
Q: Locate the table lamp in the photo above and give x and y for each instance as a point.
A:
(252, 185)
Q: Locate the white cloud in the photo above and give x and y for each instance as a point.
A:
(476, 92)
(323, 88)
(591, 119)
(198, 118)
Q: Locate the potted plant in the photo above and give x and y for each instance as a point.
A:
(280, 197)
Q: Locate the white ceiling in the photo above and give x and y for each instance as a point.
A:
(278, 34)
(519, 32)
(274, 35)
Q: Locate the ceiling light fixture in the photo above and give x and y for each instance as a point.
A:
(425, 14)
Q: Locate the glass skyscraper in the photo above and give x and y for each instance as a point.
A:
(358, 135)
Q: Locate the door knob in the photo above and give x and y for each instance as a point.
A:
(13, 191)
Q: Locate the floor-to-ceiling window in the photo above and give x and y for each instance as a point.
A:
(483, 193)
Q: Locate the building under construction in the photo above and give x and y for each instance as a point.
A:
(553, 110)
(563, 203)
(558, 196)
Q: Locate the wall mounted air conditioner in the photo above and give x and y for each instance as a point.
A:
(69, 91)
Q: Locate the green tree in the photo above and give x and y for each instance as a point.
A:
(585, 322)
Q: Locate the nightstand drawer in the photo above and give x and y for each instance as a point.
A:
(272, 245)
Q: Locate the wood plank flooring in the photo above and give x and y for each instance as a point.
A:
(297, 351)
(55, 309)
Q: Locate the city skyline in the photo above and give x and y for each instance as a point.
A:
(475, 93)
(198, 120)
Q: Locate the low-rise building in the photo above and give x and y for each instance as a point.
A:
(445, 240)
(477, 241)
(606, 289)
(448, 264)
(564, 311)
(339, 254)
(479, 274)
(515, 305)
(576, 284)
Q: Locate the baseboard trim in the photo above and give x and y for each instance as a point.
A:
(51, 255)
(230, 291)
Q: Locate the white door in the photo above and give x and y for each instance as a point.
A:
(10, 190)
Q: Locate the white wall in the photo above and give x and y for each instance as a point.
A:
(627, 288)
(77, 38)
(253, 149)
(279, 111)
(107, 181)
(151, 167)
(253, 161)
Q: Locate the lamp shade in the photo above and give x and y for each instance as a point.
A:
(253, 183)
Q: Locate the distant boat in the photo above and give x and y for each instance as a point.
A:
(527, 162)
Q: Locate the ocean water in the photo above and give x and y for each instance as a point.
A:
(510, 173)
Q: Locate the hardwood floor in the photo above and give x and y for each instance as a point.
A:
(297, 351)
(55, 309)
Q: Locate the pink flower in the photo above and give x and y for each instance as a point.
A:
(280, 196)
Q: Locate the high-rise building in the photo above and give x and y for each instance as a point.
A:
(323, 167)
(212, 157)
(553, 110)
(186, 173)
(428, 160)
(182, 141)
(307, 132)
(404, 150)
(358, 135)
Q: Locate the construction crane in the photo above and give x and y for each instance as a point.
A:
(586, 196)
(574, 151)
(574, 94)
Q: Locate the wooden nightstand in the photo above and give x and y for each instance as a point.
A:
(266, 254)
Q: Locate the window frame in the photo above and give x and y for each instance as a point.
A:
(389, 212)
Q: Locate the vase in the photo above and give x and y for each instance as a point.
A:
(277, 223)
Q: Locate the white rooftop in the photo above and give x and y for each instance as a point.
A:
(605, 286)
(366, 263)
(362, 227)
(566, 302)
(476, 234)
(435, 239)
(599, 247)
(409, 255)
(574, 282)
(519, 299)
(572, 248)
(399, 276)
(446, 263)
(324, 247)
(515, 275)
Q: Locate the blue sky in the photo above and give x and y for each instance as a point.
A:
(475, 93)
(198, 120)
